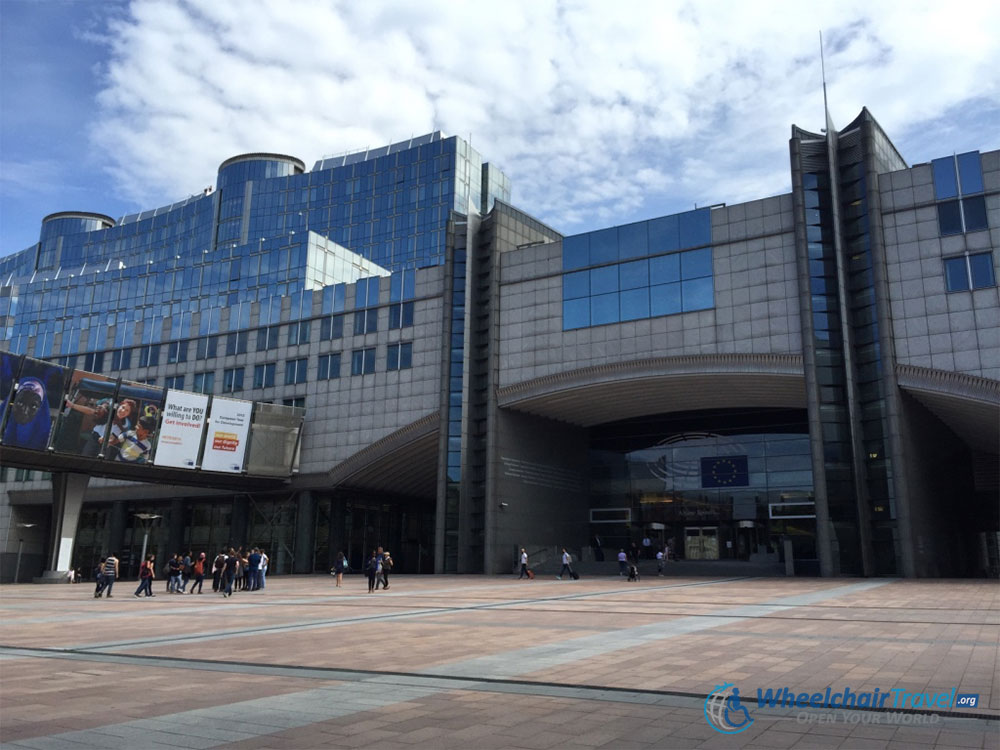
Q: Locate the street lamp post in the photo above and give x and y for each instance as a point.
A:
(20, 546)
(146, 519)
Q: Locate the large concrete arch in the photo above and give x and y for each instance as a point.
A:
(969, 405)
(606, 393)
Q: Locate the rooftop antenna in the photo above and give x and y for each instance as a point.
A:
(822, 64)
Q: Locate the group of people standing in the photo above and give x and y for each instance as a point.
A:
(235, 569)
(239, 570)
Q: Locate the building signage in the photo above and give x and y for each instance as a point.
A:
(226, 442)
(181, 429)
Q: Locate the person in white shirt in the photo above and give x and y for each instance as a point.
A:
(566, 559)
(524, 564)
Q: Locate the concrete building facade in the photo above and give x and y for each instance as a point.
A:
(812, 377)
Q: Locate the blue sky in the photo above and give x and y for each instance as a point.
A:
(599, 116)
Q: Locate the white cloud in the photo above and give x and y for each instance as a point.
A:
(608, 110)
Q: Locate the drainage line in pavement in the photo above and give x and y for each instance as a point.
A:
(467, 683)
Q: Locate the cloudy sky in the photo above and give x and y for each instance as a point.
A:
(601, 113)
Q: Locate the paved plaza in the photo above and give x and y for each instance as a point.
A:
(493, 662)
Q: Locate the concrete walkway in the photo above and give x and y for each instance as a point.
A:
(448, 661)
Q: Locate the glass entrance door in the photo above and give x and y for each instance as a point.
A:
(701, 542)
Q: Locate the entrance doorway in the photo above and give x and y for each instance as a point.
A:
(701, 542)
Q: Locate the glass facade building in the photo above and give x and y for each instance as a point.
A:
(752, 382)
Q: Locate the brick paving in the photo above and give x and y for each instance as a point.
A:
(448, 661)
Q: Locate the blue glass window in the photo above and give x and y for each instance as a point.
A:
(970, 173)
(696, 263)
(949, 217)
(331, 328)
(664, 234)
(665, 299)
(633, 275)
(604, 309)
(329, 366)
(576, 251)
(945, 183)
(576, 285)
(635, 304)
(401, 315)
(604, 280)
(399, 356)
(665, 269)
(697, 294)
(974, 209)
(696, 227)
(604, 246)
(981, 270)
(232, 380)
(295, 371)
(576, 313)
(956, 274)
(263, 375)
(633, 240)
(363, 361)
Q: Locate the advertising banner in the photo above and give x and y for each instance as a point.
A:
(10, 364)
(143, 404)
(37, 397)
(88, 415)
(228, 428)
(181, 429)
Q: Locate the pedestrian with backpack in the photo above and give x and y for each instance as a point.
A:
(217, 568)
(147, 572)
(198, 573)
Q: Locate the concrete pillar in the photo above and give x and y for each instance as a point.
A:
(305, 532)
(67, 500)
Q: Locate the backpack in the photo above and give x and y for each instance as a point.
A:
(387, 563)
(220, 562)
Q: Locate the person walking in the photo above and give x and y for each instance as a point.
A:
(174, 570)
(147, 572)
(110, 574)
(524, 564)
(386, 568)
(198, 573)
(262, 571)
(338, 568)
(217, 567)
(622, 562)
(659, 562)
(185, 572)
(99, 577)
(229, 573)
(371, 568)
(566, 560)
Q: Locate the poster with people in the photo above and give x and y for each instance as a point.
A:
(36, 398)
(10, 364)
(181, 429)
(88, 415)
(226, 442)
(135, 444)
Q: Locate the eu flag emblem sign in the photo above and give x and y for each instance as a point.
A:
(724, 471)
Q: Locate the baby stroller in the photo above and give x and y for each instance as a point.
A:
(633, 572)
